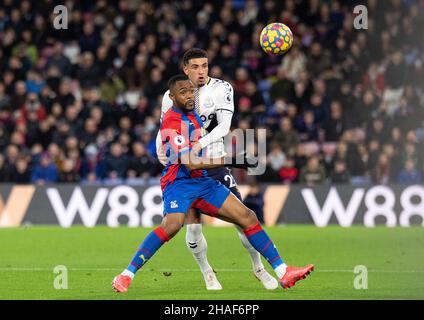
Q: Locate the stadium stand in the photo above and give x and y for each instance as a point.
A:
(83, 104)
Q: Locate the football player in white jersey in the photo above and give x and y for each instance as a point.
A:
(215, 106)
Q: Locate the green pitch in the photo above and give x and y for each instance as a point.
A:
(394, 259)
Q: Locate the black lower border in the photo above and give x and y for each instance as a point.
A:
(216, 309)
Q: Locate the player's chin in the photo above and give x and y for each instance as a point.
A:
(189, 105)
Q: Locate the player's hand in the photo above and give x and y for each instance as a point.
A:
(161, 155)
(196, 147)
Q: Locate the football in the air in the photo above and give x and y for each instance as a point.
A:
(276, 38)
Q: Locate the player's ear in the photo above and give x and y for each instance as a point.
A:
(171, 96)
(185, 70)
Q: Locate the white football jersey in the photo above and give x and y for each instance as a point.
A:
(214, 102)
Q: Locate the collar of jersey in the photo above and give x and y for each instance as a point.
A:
(179, 111)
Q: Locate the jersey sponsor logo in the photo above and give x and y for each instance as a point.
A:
(179, 140)
(210, 117)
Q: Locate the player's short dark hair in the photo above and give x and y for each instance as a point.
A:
(174, 79)
(194, 53)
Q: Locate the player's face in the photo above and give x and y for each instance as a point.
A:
(197, 70)
(183, 95)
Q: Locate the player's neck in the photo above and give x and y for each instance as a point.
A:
(206, 83)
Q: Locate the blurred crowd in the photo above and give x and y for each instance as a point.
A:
(82, 104)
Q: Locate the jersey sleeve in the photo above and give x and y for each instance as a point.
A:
(166, 104)
(160, 150)
(224, 97)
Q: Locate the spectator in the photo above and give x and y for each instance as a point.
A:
(394, 79)
(359, 161)
(377, 131)
(141, 164)
(92, 169)
(116, 162)
(156, 85)
(68, 173)
(340, 173)
(19, 96)
(4, 173)
(317, 107)
(288, 173)
(397, 138)
(137, 77)
(409, 174)
(35, 83)
(381, 173)
(294, 63)
(313, 173)
(256, 100)
(318, 61)
(336, 125)
(409, 153)
(365, 109)
(309, 130)
(276, 158)
(59, 60)
(65, 97)
(45, 171)
(87, 71)
(89, 133)
(394, 159)
(282, 88)
(4, 98)
(12, 154)
(21, 173)
(255, 201)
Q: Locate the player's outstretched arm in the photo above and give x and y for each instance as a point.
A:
(221, 130)
(194, 162)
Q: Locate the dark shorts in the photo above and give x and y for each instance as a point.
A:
(224, 176)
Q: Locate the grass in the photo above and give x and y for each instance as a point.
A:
(394, 258)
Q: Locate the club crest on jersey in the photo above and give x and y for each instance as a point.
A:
(174, 204)
(208, 103)
(179, 140)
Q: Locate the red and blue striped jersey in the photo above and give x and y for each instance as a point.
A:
(178, 132)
